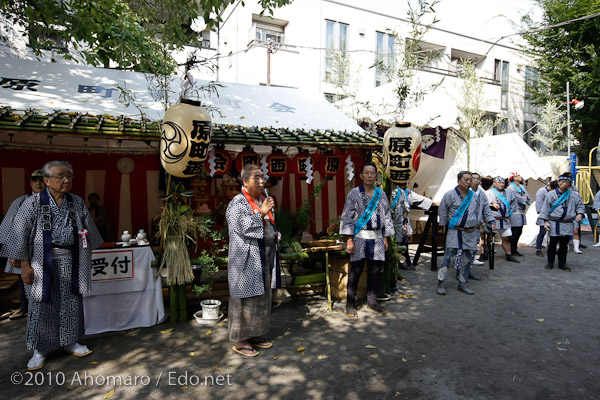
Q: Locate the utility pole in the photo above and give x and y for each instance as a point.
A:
(271, 49)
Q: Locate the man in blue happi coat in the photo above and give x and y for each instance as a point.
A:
(561, 209)
(463, 212)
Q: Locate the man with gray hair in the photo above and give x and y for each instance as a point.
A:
(253, 268)
(53, 236)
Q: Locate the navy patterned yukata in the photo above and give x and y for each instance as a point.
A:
(62, 270)
(253, 270)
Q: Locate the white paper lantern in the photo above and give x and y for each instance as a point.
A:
(185, 137)
(402, 152)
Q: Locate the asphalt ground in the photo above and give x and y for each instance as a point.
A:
(527, 333)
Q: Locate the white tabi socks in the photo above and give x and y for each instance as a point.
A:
(576, 246)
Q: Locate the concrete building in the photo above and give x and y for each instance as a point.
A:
(297, 48)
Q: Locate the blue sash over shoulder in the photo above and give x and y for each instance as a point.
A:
(461, 209)
(562, 199)
(362, 221)
(503, 199)
(395, 202)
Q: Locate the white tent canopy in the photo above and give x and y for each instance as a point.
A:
(490, 156)
(75, 88)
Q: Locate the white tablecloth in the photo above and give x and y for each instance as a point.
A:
(124, 293)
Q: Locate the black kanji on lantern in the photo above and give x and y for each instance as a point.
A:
(400, 145)
(198, 150)
(301, 164)
(193, 167)
(400, 161)
(250, 159)
(278, 165)
(401, 175)
(201, 130)
(221, 162)
(333, 165)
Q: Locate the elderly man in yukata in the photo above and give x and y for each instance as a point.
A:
(461, 210)
(560, 210)
(53, 236)
(366, 223)
(504, 205)
(253, 266)
(518, 219)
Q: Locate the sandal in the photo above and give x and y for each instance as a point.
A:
(351, 311)
(261, 343)
(241, 350)
(378, 308)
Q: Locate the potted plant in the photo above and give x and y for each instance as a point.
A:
(208, 262)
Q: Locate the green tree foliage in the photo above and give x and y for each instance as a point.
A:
(134, 34)
(569, 53)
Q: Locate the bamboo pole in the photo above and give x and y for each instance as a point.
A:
(182, 304)
(173, 303)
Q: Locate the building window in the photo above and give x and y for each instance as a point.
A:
(529, 129)
(336, 43)
(500, 128)
(266, 32)
(385, 60)
(501, 75)
(333, 98)
(532, 81)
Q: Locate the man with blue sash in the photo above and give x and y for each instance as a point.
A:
(366, 223)
(53, 235)
(560, 210)
(540, 199)
(503, 205)
(487, 217)
(518, 220)
(462, 211)
(402, 199)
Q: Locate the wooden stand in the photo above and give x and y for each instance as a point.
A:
(430, 226)
(338, 272)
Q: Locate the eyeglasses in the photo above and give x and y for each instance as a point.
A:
(63, 177)
(259, 178)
